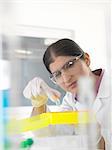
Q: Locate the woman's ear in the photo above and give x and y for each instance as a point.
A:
(87, 59)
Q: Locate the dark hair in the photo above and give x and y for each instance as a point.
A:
(63, 47)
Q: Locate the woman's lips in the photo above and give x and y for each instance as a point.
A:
(73, 85)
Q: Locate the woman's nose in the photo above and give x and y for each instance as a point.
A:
(65, 76)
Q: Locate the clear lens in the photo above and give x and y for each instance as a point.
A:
(69, 64)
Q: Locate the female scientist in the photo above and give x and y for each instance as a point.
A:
(67, 62)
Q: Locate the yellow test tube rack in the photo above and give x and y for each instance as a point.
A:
(50, 118)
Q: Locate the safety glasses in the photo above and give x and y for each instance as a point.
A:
(56, 76)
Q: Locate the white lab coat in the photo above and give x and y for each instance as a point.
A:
(101, 107)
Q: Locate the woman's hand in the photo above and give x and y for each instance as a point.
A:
(39, 92)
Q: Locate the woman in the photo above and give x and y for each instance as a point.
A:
(67, 62)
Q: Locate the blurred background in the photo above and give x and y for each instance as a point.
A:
(27, 27)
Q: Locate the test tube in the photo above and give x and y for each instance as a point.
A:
(86, 97)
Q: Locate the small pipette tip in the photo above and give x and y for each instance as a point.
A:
(54, 97)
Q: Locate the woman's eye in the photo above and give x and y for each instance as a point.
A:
(69, 65)
(57, 74)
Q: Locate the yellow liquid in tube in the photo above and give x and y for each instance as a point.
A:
(44, 98)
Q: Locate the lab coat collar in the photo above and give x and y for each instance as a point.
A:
(104, 89)
(103, 93)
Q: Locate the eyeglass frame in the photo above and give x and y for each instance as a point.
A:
(64, 67)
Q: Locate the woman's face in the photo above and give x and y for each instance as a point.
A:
(67, 77)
